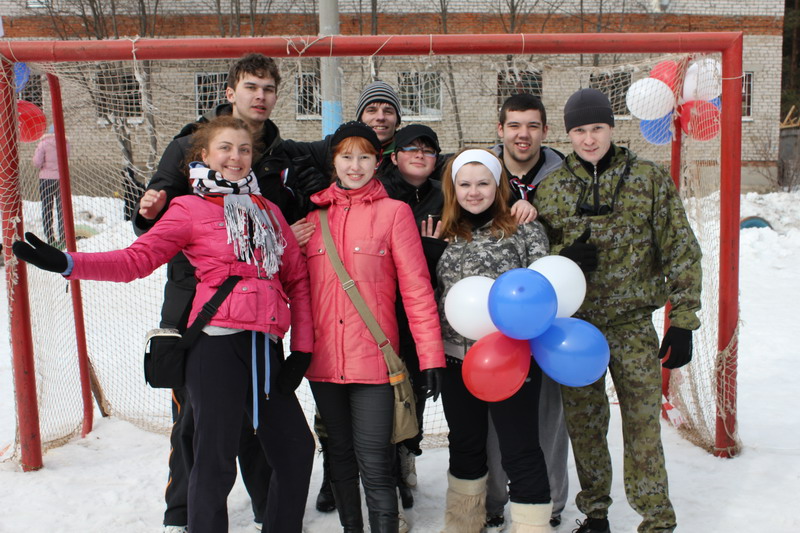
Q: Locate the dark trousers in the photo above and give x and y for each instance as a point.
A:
(256, 472)
(359, 419)
(218, 377)
(516, 420)
(50, 193)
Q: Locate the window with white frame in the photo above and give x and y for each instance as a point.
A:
(209, 91)
(308, 93)
(420, 94)
(37, 3)
(615, 85)
(514, 81)
(32, 92)
(747, 95)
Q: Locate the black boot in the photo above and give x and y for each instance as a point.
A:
(348, 501)
(383, 523)
(406, 496)
(325, 500)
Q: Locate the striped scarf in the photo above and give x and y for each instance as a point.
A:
(252, 227)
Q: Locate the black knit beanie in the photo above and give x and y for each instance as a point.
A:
(356, 129)
(588, 106)
(378, 91)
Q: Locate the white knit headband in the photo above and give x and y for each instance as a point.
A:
(478, 156)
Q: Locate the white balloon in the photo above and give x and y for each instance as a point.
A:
(466, 307)
(649, 99)
(567, 279)
(703, 80)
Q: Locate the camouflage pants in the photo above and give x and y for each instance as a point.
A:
(636, 372)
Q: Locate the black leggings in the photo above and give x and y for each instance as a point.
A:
(218, 378)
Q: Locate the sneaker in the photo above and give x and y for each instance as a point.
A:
(555, 521)
(592, 525)
(495, 523)
(176, 529)
(402, 525)
(408, 467)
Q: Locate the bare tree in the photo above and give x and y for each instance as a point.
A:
(451, 84)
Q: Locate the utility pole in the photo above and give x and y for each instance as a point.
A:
(329, 69)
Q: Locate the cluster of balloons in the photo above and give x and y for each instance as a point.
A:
(524, 311)
(653, 99)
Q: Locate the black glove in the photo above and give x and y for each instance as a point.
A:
(678, 341)
(582, 252)
(434, 377)
(292, 372)
(40, 254)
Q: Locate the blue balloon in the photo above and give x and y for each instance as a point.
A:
(717, 102)
(657, 131)
(21, 75)
(572, 352)
(522, 303)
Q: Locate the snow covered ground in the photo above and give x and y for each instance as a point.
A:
(113, 479)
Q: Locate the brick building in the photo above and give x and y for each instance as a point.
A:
(458, 95)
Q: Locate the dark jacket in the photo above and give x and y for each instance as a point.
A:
(424, 201)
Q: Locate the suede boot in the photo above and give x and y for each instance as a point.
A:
(530, 517)
(465, 505)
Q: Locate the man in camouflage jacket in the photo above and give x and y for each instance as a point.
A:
(620, 218)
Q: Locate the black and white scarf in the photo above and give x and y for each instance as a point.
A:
(249, 221)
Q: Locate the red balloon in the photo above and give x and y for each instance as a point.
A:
(666, 71)
(496, 367)
(32, 122)
(700, 119)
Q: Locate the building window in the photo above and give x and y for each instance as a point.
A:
(209, 91)
(420, 94)
(515, 81)
(747, 95)
(615, 85)
(37, 3)
(32, 92)
(308, 94)
(117, 94)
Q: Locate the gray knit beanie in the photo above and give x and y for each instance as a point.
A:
(378, 91)
(588, 106)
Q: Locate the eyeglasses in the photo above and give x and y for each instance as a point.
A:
(414, 150)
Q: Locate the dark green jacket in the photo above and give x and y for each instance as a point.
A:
(648, 253)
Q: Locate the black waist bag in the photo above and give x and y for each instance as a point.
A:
(165, 349)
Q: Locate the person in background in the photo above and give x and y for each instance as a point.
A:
(45, 159)
(233, 371)
(522, 127)
(483, 238)
(380, 247)
(621, 219)
(413, 179)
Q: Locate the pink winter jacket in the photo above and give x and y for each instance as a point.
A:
(196, 227)
(379, 244)
(45, 157)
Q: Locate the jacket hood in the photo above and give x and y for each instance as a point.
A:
(621, 156)
(334, 194)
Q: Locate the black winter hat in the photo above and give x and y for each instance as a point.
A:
(587, 106)
(378, 91)
(355, 128)
(412, 132)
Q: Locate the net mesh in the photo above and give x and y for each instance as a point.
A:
(120, 116)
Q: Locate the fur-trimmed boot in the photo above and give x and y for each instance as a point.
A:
(531, 517)
(465, 505)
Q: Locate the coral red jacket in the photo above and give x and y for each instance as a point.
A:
(196, 227)
(380, 246)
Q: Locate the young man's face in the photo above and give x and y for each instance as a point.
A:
(415, 161)
(382, 118)
(253, 99)
(522, 134)
(591, 141)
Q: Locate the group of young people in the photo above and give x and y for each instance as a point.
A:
(230, 197)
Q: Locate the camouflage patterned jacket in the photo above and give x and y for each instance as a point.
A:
(486, 256)
(647, 250)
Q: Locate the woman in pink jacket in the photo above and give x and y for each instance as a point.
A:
(46, 160)
(227, 228)
(380, 247)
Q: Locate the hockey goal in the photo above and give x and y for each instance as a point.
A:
(118, 103)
